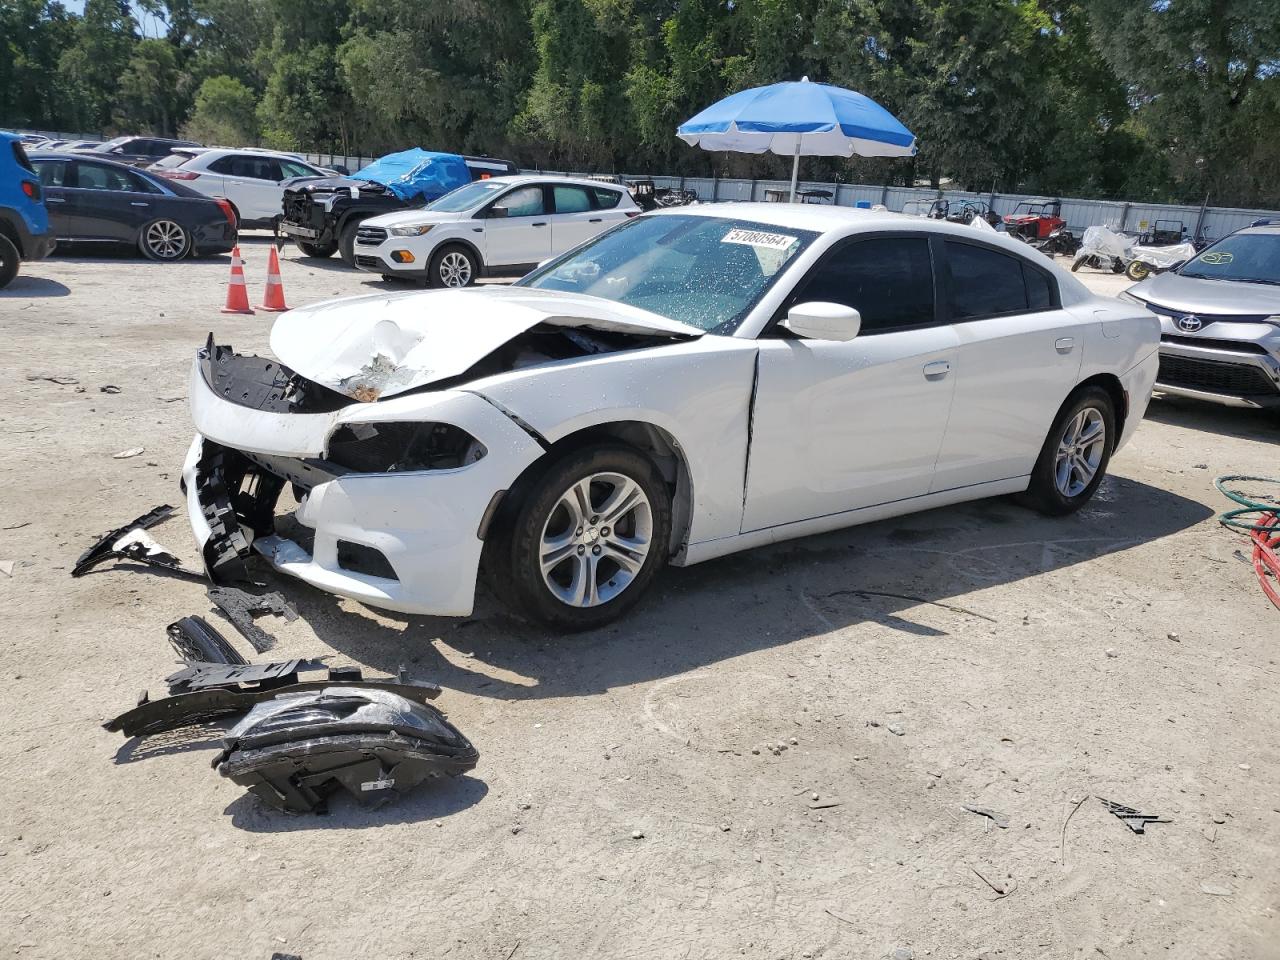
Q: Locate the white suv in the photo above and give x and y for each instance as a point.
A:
(251, 179)
(503, 225)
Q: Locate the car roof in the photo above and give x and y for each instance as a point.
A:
(516, 179)
(83, 158)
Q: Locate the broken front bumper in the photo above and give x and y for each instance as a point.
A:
(406, 541)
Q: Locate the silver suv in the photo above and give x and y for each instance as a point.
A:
(1220, 320)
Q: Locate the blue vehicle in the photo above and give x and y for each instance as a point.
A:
(24, 222)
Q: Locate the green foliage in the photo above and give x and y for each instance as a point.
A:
(225, 112)
(1154, 100)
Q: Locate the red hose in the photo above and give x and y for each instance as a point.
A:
(1266, 538)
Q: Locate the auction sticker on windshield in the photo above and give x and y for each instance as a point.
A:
(758, 238)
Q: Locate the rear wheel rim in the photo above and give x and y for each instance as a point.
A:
(595, 540)
(455, 269)
(166, 240)
(1080, 449)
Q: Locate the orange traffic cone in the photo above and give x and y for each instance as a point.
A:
(273, 300)
(237, 293)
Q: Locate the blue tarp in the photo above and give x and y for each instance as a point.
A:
(418, 174)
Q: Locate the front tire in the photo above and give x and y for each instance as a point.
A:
(319, 250)
(1077, 264)
(164, 240)
(583, 542)
(453, 266)
(347, 243)
(1075, 454)
(9, 259)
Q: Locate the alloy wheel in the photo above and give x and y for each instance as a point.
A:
(596, 539)
(1080, 450)
(166, 240)
(455, 269)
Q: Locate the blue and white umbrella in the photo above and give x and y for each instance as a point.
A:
(799, 120)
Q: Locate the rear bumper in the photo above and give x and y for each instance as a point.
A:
(218, 237)
(424, 524)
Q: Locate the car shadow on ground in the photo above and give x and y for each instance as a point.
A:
(1243, 423)
(433, 800)
(24, 287)
(897, 573)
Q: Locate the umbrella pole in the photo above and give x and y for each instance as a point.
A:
(795, 169)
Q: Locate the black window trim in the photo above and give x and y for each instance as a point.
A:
(1055, 297)
(935, 254)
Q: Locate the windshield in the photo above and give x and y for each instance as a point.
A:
(1243, 257)
(467, 196)
(703, 271)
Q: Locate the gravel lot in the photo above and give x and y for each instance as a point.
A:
(792, 731)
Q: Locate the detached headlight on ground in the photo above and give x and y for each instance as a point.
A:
(410, 230)
(403, 446)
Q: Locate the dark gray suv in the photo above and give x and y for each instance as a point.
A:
(1220, 320)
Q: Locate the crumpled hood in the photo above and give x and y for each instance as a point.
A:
(1195, 295)
(384, 344)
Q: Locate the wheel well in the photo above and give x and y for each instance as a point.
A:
(9, 233)
(654, 442)
(1110, 383)
(457, 242)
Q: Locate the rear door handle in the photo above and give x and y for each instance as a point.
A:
(1064, 344)
(543, 224)
(138, 203)
(596, 220)
(937, 369)
(49, 199)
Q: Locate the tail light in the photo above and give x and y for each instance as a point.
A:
(31, 189)
(178, 174)
(228, 211)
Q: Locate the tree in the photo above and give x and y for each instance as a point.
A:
(89, 69)
(33, 36)
(149, 89)
(225, 112)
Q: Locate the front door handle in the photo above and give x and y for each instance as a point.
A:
(596, 220)
(1064, 344)
(937, 369)
(49, 199)
(138, 203)
(543, 224)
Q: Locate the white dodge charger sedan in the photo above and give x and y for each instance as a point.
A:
(689, 384)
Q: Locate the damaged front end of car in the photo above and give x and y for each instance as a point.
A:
(392, 458)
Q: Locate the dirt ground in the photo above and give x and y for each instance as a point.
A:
(768, 759)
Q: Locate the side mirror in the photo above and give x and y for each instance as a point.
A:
(823, 321)
(498, 213)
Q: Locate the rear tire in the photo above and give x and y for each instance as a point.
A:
(602, 514)
(319, 250)
(1077, 263)
(9, 259)
(164, 240)
(1075, 454)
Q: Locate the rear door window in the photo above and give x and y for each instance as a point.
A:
(571, 199)
(985, 282)
(888, 280)
(97, 176)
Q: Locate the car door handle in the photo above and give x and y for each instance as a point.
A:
(596, 220)
(937, 369)
(1064, 344)
(49, 199)
(541, 224)
(138, 203)
(477, 229)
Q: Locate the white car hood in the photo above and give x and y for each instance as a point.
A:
(419, 215)
(384, 344)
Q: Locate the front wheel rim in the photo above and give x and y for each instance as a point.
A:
(595, 539)
(166, 239)
(455, 270)
(1080, 449)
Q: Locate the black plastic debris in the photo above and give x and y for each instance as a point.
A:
(294, 752)
(204, 676)
(239, 606)
(195, 639)
(211, 703)
(1135, 821)
(128, 543)
(999, 819)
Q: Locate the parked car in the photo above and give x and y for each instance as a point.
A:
(253, 180)
(100, 202)
(1220, 321)
(321, 216)
(501, 225)
(691, 383)
(138, 151)
(24, 221)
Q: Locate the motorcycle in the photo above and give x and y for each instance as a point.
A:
(1103, 249)
(1152, 260)
(1060, 241)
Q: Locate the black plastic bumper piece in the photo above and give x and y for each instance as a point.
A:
(195, 640)
(104, 549)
